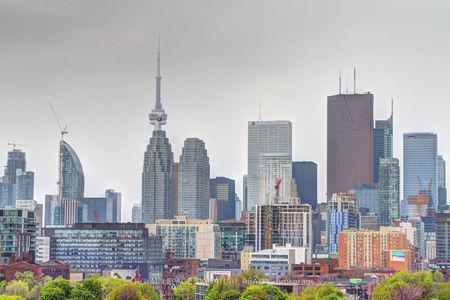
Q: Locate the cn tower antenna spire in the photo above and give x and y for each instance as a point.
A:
(158, 74)
(158, 116)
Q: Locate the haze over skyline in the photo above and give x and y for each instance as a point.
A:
(96, 62)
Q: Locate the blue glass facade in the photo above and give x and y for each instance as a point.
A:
(305, 175)
(420, 152)
(92, 248)
(223, 190)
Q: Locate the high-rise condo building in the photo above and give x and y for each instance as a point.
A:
(157, 175)
(188, 238)
(136, 213)
(382, 142)
(305, 175)
(92, 248)
(367, 249)
(342, 214)
(17, 183)
(443, 237)
(102, 209)
(193, 185)
(175, 176)
(388, 191)
(420, 170)
(17, 235)
(349, 142)
(264, 137)
(273, 167)
(244, 193)
(70, 185)
(24, 185)
(222, 189)
(442, 185)
(283, 224)
(16, 161)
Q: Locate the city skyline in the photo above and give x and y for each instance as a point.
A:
(92, 90)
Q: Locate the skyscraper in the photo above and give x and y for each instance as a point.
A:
(136, 213)
(382, 142)
(349, 142)
(102, 209)
(420, 165)
(244, 193)
(193, 185)
(51, 210)
(305, 175)
(157, 181)
(442, 185)
(71, 177)
(272, 167)
(389, 191)
(70, 185)
(24, 185)
(222, 189)
(274, 137)
(443, 237)
(17, 183)
(16, 161)
(342, 214)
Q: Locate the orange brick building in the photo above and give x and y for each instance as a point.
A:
(368, 249)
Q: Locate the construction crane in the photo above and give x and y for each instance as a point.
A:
(63, 130)
(15, 145)
(277, 190)
(97, 218)
(423, 195)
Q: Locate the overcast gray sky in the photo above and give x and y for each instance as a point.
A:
(96, 61)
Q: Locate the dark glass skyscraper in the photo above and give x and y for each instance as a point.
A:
(157, 175)
(349, 141)
(16, 161)
(442, 186)
(305, 175)
(382, 143)
(223, 190)
(193, 184)
(17, 183)
(389, 191)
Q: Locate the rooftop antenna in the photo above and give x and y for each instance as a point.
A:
(63, 130)
(340, 81)
(392, 107)
(15, 145)
(354, 80)
(260, 115)
(346, 85)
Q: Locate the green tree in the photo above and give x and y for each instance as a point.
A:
(18, 288)
(89, 289)
(404, 285)
(127, 291)
(326, 291)
(231, 295)
(109, 284)
(246, 278)
(443, 292)
(147, 291)
(58, 289)
(437, 276)
(10, 297)
(221, 289)
(186, 289)
(263, 292)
